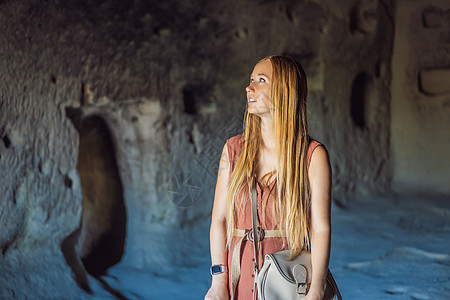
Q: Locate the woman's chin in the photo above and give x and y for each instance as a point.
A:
(256, 111)
(252, 111)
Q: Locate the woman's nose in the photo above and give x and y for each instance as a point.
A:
(249, 88)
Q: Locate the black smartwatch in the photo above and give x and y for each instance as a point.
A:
(218, 269)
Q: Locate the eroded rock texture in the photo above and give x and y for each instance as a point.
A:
(421, 98)
(113, 115)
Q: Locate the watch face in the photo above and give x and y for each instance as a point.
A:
(215, 269)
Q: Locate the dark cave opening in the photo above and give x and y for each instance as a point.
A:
(189, 101)
(196, 97)
(6, 141)
(101, 237)
(361, 89)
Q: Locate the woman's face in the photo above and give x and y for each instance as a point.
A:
(258, 91)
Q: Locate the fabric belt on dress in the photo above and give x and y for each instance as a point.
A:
(247, 234)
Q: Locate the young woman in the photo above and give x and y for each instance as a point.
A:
(293, 181)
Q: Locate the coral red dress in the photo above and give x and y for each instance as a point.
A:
(244, 287)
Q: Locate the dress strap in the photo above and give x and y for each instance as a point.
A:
(312, 146)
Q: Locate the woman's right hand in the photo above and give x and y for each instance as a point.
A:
(217, 291)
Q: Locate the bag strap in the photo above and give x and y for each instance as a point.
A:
(255, 237)
(255, 227)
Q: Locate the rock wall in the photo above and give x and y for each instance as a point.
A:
(164, 81)
(421, 98)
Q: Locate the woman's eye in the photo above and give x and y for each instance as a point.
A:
(262, 80)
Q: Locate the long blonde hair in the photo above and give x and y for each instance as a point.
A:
(291, 209)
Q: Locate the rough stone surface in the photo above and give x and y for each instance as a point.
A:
(420, 104)
(168, 79)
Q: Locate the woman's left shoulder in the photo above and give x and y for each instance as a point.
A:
(318, 158)
(316, 146)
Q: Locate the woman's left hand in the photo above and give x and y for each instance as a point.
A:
(313, 295)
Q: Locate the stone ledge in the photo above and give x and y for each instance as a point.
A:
(435, 81)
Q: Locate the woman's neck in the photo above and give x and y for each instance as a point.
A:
(268, 134)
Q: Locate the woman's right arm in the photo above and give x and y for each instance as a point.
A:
(219, 285)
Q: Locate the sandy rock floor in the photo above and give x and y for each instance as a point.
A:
(382, 248)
